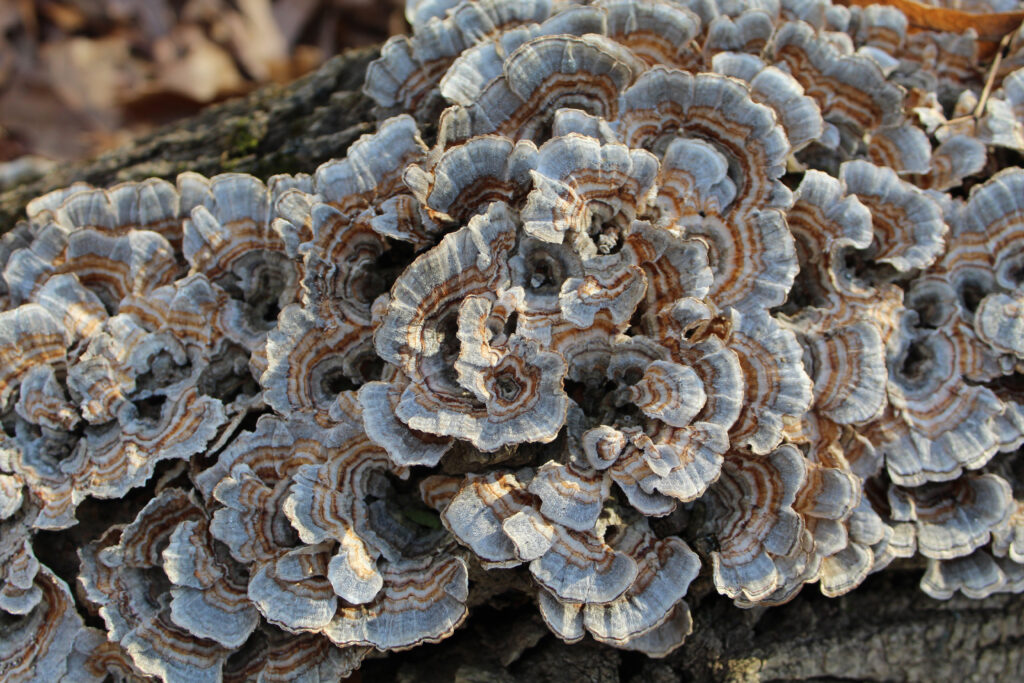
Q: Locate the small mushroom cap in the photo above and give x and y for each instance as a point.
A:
(904, 148)
(205, 601)
(998, 323)
(577, 180)
(423, 601)
(570, 496)
(36, 646)
(776, 385)
(977, 576)
(756, 521)
(954, 518)
(655, 32)
(406, 447)
(580, 567)
(849, 373)
(476, 513)
(292, 592)
(943, 427)
(669, 392)
(850, 89)
(907, 223)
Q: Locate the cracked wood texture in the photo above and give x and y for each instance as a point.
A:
(885, 630)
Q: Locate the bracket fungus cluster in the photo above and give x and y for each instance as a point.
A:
(619, 294)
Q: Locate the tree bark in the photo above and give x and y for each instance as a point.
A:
(885, 630)
(277, 129)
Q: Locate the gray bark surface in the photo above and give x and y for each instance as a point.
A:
(885, 630)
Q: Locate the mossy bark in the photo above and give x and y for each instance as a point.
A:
(277, 129)
(886, 630)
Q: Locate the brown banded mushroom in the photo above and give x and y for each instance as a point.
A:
(704, 260)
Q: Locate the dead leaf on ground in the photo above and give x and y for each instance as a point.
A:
(991, 27)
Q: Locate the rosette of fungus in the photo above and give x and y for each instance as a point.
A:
(608, 281)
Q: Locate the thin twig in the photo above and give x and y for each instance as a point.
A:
(991, 79)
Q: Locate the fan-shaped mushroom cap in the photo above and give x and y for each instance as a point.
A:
(908, 224)
(772, 87)
(29, 337)
(850, 89)
(372, 168)
(464, 179)
(655, 32)
(472, 260)
(956, 158)
(666, 568)
(151, 204)
(998, 324)
(904, 149)
(409, 68)
(111, 265)
(114, 577)
(475, 515)
(977, 576)
(310, 360)
(405, 446)
(578, 180)
(519, 384)
(121, 458)
(693, 179)
(827, 224)
(423, 601)
(754, 520)
(826, 501)
(35, 647)
(209, 596)
(326, 502)
(570, 496)
(775, 384)
(11, 495)
(1008, 539)
(843, 571)
(19, 567)
(538, 77)
(942, 426)
(277, 656)
(229, 226)
(718, 109)
(481, 64)
(292, 591)
(742, 31)
(849, 372)
(81, 311)
(581, 567)
(95, 659)
(953, 518)
(1001, 124)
